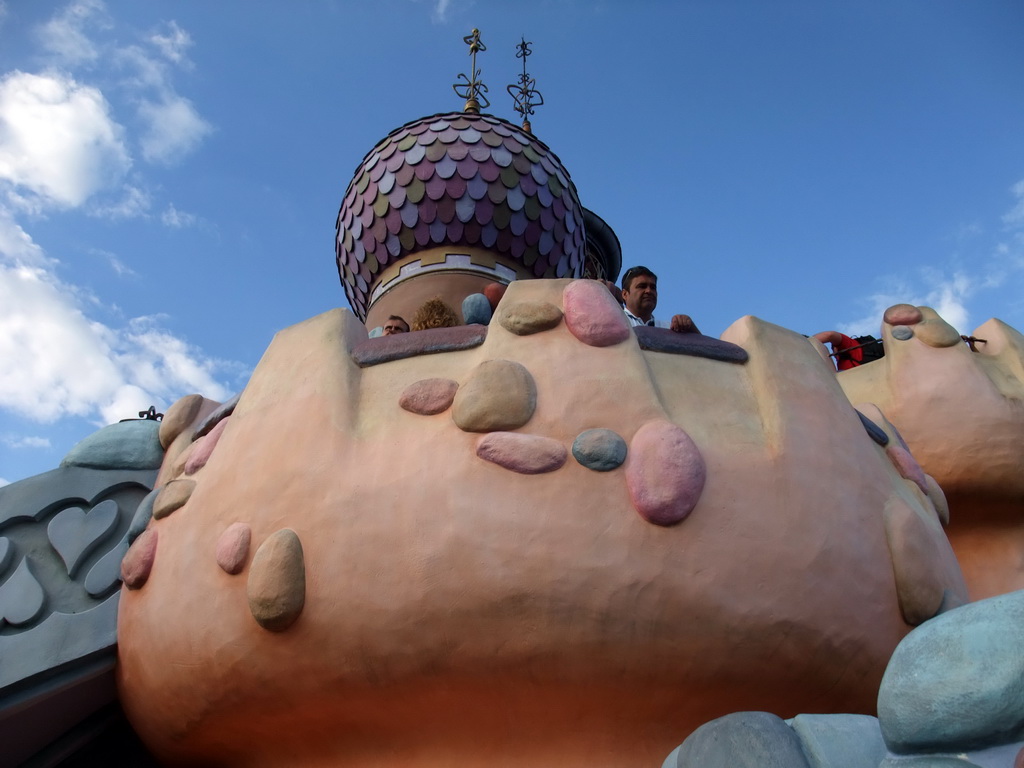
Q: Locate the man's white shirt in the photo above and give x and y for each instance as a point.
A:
(635, 321)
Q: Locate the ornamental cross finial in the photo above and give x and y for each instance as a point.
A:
(472, 90)
(524, 93)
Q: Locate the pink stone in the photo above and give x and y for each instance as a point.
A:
(907, 466)
(428, 396)
(233, 547)
(203, 448)
(138, 561)
(665, 473)
(526, 454)
(494, 292)
(902, 314)
(592, 315)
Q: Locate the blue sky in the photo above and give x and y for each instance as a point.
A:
(170, 172)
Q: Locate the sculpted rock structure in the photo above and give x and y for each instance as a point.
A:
(950, 697)
(961, 412)
(63, 535)
(541, 539)
(427, 600)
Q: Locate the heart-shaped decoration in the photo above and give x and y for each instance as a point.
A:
(6, 550)
(21, 597)
(75, 533)
(107, 572)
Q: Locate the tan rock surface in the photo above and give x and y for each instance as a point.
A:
(961, 413)
(461, 614)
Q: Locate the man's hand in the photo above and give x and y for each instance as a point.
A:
(683, 324)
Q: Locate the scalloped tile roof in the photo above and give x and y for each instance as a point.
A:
(458, 179)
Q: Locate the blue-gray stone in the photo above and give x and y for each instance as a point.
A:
(599, 449)
(432, 341)
(218, 414)
(693, 344)
(928, 761)
(957, 682)
(741, 740)
(476, 309)
(840, 741)
(126, 445)
(75, 533)
(103, 576)
(1002, 756)
(902, 332)
(876, 432)
(21, 597)
(143, 514)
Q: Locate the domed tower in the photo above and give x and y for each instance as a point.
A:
(447, 204)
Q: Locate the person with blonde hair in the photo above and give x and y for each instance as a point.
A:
(434, 313)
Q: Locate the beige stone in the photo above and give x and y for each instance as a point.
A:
(179, 417)
(497, 395)
(172, 497)
(528, 317)
(277, 581)
(923, 563)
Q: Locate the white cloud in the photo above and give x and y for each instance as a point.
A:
(17, 246)
(895, 292)
(1015, 216)
(173, 44)
(25, 441)
(441, 10)
(58, 140)
(173, 129)
(172, 217)
(59, 362)
(144, 71)
(4, 482)
(64, 35)
(996, 267)
(171, 125)
(134, 202)
(947, 295)
(949, 298)
(119, 267)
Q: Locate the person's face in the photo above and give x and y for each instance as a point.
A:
(642, 296)
(392, 327)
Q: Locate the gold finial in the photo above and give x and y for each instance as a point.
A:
(472, 90)
(524, 93)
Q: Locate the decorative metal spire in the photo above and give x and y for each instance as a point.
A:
(524, 93)
(472, 90)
